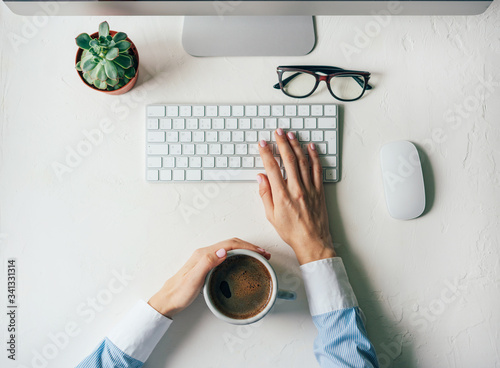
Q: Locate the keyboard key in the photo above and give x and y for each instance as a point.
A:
(258, 123)
(264, 110)
(238, 110)
(185, 111)
(244, 123)
(298, 123)
(195, 161)
(321, 147)
(178, 174)
(271, 123)
(331, 140)
(211, 110)
(310, 123)
(152, 123)
(188, 149)
(330, 174)
(193, 175)
(251, 136)
(328, 161)
(182, 162)
(155, 111)
(251, 110)
(221, 162)
(211, 136)
(247, 161)
(185, 136)
(192, 124)
(235, 161)
(277, 110)
(241, 149)
(165, 175)
(317, 110)
(208, 161)
(330, 110)
(317, 136)
(198, 136)
(152, 175)
(304, 136)
(165, 123)
(172, 111)
(238, 136)
(179, 124)
(224, 110)
(232, 123)
(253, 149)
(327, 123)
(169, 161)
(205, 124)
(258, 162)
(231, 175)
(214, 149)
(303, 110)
(172, 136)
(201, 149)
(284, 123)
(154, 162)
(157, 149)
(228, 149)
(265, 135)
(155, 137)
(290, 110)
(225, 136)
(175, 149)
(218, 124)
(198, 110)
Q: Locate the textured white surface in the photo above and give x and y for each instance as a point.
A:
(72, 237)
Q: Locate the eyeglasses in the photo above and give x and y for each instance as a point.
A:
(301, 81)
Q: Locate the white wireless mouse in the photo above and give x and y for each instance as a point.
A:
(403, 180)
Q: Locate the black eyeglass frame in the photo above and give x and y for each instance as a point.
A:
(360, 77)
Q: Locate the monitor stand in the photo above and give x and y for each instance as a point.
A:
(248, 35)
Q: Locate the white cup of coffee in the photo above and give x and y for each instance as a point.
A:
(243, 288)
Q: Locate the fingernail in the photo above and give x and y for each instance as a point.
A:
(221, 253)
(291, 136)
(261, 250)
(313, 146)
(279, 131)
(263, 143)
(259, 180)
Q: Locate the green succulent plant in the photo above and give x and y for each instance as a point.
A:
(105, 62)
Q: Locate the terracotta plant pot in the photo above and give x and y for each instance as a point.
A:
(132, 51)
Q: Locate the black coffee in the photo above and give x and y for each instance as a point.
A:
(240, 287)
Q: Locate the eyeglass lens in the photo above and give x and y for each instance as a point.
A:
(345, 87)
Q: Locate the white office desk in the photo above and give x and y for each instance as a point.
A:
(428, 287)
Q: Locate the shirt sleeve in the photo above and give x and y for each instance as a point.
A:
(131, 341)
(342, 340)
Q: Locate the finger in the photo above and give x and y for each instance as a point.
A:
(316, 169)
(207, 262)
(272, 169)
(289, 158)
(237, 243)
(266, 196)
(302, 161)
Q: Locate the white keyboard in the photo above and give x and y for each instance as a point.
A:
(219, 142)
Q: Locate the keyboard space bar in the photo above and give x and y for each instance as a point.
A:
(232, 175)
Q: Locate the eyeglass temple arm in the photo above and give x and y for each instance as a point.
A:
(357, 79)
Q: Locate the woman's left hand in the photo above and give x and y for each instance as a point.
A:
(183, 288)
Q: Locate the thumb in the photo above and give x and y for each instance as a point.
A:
(266, 195)
(208, 262)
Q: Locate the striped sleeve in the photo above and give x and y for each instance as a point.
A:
(131, 341)
(342, 341)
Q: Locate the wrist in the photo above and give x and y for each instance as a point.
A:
(315, 251)
(161, 303)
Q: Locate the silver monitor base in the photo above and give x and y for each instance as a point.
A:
(248, 35)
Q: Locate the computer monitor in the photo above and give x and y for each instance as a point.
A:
(249, 27)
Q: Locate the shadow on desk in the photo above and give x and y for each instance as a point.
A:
(388, 337)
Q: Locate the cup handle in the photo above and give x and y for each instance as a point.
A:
(287, 295)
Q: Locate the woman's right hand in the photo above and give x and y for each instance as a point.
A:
(296, 207)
